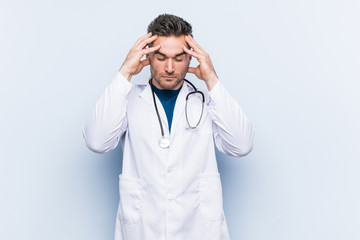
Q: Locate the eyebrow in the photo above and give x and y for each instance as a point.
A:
(164, 55)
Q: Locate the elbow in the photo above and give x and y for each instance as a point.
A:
(95, 143)
(243, 141)
(238, 150)
(243, 151)
(238, 147)
(95, 147)
(246, 144)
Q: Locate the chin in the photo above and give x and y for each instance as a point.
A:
(167, 84)
(171, 85)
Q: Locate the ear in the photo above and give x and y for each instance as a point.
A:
(190, 57)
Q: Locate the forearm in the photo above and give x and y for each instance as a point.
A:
(105, 126)
(233, 132)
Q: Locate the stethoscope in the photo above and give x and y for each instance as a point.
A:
(165, 141)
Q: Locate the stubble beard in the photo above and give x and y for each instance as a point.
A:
(174, 84)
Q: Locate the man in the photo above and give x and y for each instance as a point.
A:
(170, 186)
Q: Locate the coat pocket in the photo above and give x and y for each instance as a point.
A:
(210, 194)
(131, 196)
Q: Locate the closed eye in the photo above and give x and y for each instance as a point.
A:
(160, 56)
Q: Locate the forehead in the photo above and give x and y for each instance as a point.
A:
(171, 45)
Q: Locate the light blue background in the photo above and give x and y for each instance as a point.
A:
(292, 65)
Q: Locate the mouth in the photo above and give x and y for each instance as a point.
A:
(169, 77)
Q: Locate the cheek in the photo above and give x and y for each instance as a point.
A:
(155, 64)
(157, 67)
(183, 66)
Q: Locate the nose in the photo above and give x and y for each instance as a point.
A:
(169, 67)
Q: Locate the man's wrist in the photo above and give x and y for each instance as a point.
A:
(125, 74)
(211, 83)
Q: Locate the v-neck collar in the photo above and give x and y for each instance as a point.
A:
(179, 109)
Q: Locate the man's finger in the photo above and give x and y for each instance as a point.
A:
(191, 70)
(192, 53)
(149, 40)
(142, 38)
(145, 62)
(151, 49)
(194, 42)
(194, 45)
(142, 44)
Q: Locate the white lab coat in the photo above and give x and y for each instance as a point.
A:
(173, 193)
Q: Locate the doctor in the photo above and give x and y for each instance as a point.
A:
(170, 186)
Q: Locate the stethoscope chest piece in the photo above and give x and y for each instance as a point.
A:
(164, 142)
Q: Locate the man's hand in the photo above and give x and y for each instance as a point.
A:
(133, 64)
(205, 70)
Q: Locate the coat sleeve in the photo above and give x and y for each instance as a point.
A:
(232, 131)
(108, 122)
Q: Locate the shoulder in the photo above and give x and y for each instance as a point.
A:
(138, 85)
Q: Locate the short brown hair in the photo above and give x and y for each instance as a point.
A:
(169, 25)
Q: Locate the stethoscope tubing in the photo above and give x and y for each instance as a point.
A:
(186, 115)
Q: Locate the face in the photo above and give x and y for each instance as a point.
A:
(170, 63)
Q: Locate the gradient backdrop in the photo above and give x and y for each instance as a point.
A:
(294, 66)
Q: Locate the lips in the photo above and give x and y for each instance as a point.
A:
(169, 77)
